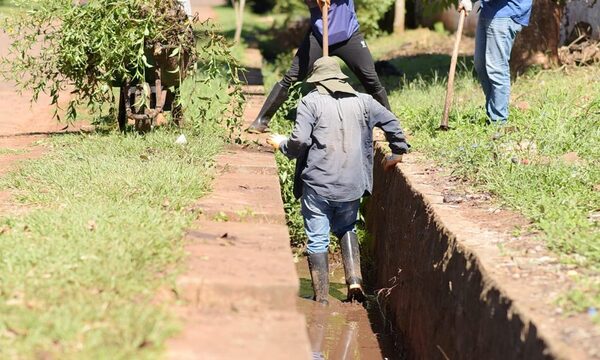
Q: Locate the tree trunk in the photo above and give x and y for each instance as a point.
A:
(238, 6)
(399, 15)
(538, 43)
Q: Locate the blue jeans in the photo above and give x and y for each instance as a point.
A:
(493, 45)
(322, 216)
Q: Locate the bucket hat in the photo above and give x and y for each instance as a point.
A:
(327, 73)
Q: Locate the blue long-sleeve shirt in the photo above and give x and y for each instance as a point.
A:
(518, 10)
(332, 143)
(342, 20)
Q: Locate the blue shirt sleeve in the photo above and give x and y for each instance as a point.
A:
(301, 138)
(385, 120)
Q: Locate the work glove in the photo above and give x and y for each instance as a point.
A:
(275, 140)
(465, 5)
(390, 162)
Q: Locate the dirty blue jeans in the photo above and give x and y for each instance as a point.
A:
(493, 45)
(322, 216)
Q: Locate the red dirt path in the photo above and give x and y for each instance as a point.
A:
(22, 123)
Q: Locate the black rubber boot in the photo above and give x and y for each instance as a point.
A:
(275, 99)
(382, 98)
(351, 259)
(319, 273)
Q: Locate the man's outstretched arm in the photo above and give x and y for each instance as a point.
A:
(301, 137)
(384, 119)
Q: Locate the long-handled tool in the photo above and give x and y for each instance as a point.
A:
(450, 90)
(325, 9)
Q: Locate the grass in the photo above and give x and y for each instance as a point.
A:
(527, 169)
(81, 269)
(7, 10)
(9, 151)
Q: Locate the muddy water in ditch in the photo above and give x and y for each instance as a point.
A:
(343, 331)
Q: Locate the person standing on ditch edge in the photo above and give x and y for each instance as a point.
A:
(499, 23)
(345, 42)
(332, 143)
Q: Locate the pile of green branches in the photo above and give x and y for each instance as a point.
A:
(59, 45)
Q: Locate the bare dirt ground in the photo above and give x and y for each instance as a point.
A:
(204, 8)
(22, 124)
(19, 116)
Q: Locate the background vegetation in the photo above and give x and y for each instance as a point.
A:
(369, 13)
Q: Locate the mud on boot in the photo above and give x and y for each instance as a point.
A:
(351, 260)
(319, 274)
(276, 98)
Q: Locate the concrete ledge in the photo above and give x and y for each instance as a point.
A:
(226, 336)
(438, 273)
(235, 266)
(247, 189)
(237, 294)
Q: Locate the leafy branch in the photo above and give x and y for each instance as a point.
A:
(60, 48)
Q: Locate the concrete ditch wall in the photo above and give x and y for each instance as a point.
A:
(433, 272)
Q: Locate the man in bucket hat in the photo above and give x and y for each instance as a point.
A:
(332, 143)
(345, 41)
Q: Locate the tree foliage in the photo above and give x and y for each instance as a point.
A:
(59, 46)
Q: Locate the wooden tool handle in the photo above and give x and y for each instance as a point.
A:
(325, 9)
(450, 90)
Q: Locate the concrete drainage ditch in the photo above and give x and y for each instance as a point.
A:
(445, 283)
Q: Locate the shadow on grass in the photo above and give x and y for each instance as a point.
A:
(427, 68)
(97, 130)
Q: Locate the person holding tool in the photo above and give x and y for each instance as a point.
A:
(499, 23)
(332, 143)
(345, 42)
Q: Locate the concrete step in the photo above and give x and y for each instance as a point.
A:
(264, 237)
(247, 162)
(232, 266)
(249, 196)
(225, 336)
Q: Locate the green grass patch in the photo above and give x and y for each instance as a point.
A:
(81, 269)
(252, 22)
(9, 151)
(7, 9)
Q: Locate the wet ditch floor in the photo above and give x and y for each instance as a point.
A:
(342, 330)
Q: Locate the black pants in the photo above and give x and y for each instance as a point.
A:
(354, 52)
